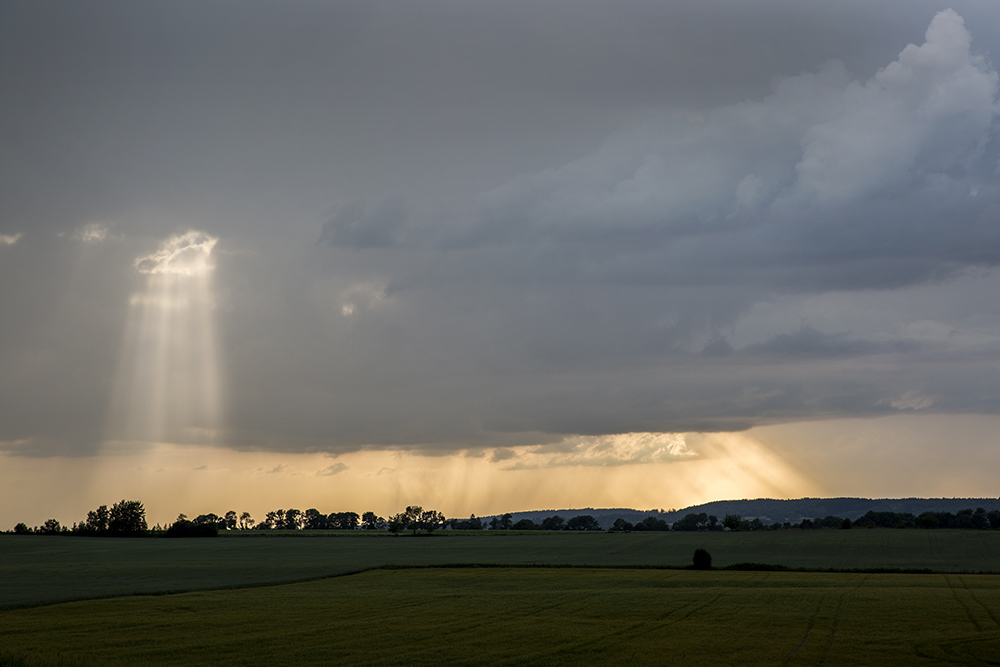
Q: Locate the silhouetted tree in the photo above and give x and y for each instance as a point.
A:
(51, 527)
(583, 522)
(97, 521)
(431, 520)
(692, 522)
(293, 520)
(651, 523)
(313, 519)
(371, 521)
(873, 519)
(409, 519)
(230, 519)
(472, 523)
(184, 528)
(621, 526)
(702, 560)
(343, 520)
(525, 524)
(828, 522)
(210, 518)
(554, 522)
(732, 521)
(127, 517)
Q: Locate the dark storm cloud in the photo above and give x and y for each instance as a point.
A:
(810, 343)
(827, 183)
(355, 227)
(534, 219)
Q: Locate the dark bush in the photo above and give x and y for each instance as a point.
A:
(621, 526)
(702, 560)
(184, 528)
(553, 523)
(583, 522)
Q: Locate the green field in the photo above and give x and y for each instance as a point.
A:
(39, 568)
(615, 606)
(533, 616)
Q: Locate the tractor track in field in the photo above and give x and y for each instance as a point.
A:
(809, 628)
(968, 610)
(837, 614)
(989, 612)
(860, 579)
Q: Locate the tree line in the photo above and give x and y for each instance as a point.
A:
(128, 518)
(506, 522)
(966, 519)
(125, 518)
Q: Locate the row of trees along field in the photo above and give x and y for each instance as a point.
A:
(967, 519)
(125, 518)
(128, 518)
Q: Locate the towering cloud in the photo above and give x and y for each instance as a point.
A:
(611, 283)
(824, 178)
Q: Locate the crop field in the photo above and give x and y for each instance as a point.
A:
(39, 569)
(530, 616)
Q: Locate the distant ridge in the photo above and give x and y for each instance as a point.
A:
(770, 510)
(773, 510)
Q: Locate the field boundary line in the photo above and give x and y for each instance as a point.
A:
(179, 591)
(741, 567)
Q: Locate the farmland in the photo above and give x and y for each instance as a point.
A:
(39, 569)
(533, 616)
(317, 599)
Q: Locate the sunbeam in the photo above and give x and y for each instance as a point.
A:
(167, 387)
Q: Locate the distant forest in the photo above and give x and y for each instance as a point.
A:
(772, 511)
(128, 518)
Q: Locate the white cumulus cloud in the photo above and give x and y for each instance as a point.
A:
(602, 450)
(183, 254)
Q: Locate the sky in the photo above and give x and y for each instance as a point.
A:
(495, 256)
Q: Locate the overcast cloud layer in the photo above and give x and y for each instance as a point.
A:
(460, 226)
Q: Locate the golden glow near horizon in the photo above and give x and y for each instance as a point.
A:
(171, 479)
(168, 384)
(781, 461)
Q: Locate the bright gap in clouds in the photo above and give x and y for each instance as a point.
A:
(193, 479)
(168, 387)
(887, 457)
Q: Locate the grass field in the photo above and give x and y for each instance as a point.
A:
(501, 616)
(39, 568)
